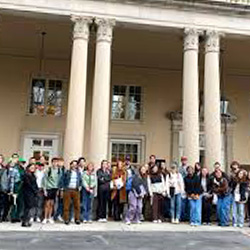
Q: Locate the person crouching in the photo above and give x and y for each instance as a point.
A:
(71, 184)
(30, 192)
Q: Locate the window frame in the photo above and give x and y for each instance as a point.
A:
(141, 140)
(127, 86)
(47, 79)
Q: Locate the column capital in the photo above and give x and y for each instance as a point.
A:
(105, 29)
(191, 39)
(81, 26)
(212, 43)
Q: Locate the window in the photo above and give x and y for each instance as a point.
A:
(46, 97)
(127, 103)
(122, 148)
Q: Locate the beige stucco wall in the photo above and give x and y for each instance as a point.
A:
(150, 59)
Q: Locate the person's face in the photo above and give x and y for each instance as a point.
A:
(104, 165)
(235, 168)
(163, 165)
(91, 168)
(198, 167)
(152, 159)
(15, 160)
(1, 160)
(204, 172)
(54, 163)
(127, 162)
(82, 163)
(32, 168)
(184, 162)
(119, 165)
(218, 174)
(143, 170)
(73, 165)
(248, 174)
(190, 171)
(216, 166)
(61, 163)
(241, 174)
(42, 160)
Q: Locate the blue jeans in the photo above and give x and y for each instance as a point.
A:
(238, 214)
(87, 202)
(195, 211)
(185, 209)
(175, 206)
(223, 210)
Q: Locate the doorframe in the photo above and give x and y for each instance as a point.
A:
(49, 135)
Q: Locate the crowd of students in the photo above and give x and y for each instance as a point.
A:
(81, 192)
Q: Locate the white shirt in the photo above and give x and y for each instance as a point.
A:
(73, 180)
(39, 177)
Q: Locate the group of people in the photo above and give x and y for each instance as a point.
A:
(81, 192)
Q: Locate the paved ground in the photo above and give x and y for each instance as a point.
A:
(124, 240)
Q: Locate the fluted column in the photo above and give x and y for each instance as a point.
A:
(101, 91)
(191, 96)
(74, 134)
(212, 114)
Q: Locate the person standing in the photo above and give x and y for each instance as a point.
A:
(239, 190)
(103, 178)
(50, 186)
(193, 190)
(39, 173)
(135, 197)
(30, 191)
(207, 197)
(71, 184)
(220, 187)
(185, 209)
(157, 191)
(175, 189)
(18, 206)
(89, 182)
(58, 215)
(118, 195)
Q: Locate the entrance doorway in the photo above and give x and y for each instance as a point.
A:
(36, 145)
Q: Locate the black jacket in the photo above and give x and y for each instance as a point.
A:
(243, 189)
(103, 179)
(192, 185)
(30, 189)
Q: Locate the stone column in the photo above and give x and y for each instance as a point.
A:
(212, 114)
(74, 134)
(101, 92)
(191, 96)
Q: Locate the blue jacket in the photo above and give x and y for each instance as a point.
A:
(65, 179)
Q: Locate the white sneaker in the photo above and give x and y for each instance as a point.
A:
(177, 221)
(159, 221)
(155, 221)
(85, 221)
(104, 220)
(128, 223)
(60, 218)
(90, 221)
(44, 221)
(38, 220)
(72, 220)
(100, 220)
(173, 220)
(31, 220)
(51, 221)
